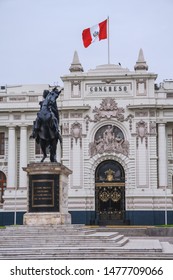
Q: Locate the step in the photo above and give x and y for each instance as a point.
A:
(78, 242)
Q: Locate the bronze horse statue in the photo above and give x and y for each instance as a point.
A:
(46, 126)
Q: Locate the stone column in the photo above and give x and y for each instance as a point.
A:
(11, 180)
(23, 157)
(162, 155)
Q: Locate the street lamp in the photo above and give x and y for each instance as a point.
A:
(15, 207)
(166, 212)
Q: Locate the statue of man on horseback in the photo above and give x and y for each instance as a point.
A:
(46, 126)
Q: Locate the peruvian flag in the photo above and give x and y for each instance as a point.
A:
(95, 33)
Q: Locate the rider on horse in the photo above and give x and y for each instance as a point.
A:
(47, 106)
(46, 126)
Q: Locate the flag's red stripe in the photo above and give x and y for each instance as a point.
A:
(103, 30)
(86, 36)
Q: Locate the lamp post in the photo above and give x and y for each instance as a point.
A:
(15, 207)
(166, 214)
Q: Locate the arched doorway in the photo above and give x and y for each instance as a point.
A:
(110, 193)
(2, 185)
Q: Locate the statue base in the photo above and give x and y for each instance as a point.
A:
(47, 194)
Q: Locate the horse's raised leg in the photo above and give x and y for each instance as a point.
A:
(53, 150)
(43, 158)
(43, 148)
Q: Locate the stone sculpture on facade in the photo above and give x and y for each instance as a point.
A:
(108, 108)
(109, 139)
(46, 126)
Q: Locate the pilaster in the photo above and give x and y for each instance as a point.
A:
(23, 157)
(11, 179)
(162, 155)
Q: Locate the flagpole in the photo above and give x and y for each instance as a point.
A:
(108, 42)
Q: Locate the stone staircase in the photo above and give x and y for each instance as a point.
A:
(78, 242)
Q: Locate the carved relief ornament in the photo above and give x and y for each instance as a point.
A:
(109, 139)
(141, 130)
(108, 109)
(76, 133)
(76, 130)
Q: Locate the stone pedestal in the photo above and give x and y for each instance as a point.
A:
(47, 194)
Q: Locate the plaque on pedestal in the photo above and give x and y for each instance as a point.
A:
(47, 194)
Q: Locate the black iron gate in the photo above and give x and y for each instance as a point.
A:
(110, 193)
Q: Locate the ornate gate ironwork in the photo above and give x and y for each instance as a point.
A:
(110, 193)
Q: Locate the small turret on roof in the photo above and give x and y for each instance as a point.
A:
(76, 65)
(141, 63)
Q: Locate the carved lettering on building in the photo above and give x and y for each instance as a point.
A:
(109, 88)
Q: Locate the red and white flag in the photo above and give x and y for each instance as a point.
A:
(95, 33)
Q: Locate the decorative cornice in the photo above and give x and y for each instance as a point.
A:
(108, 109)
(149, 106)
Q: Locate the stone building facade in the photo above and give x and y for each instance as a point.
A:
(117, 129)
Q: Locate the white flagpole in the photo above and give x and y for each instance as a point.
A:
(108, 42)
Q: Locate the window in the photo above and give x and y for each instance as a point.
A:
(2, 143)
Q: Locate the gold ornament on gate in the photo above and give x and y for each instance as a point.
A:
(115, 196)
(110, 175)
(104, 196)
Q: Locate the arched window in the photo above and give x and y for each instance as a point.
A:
(109, 170)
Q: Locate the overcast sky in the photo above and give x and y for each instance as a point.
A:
(38, 37)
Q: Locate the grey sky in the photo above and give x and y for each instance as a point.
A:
(38, 37)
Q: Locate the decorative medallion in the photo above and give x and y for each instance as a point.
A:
(104, 196)
(76, 130)
(141, 130)
(76, 133)
(115, 196)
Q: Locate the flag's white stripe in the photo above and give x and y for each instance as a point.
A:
(94, 30)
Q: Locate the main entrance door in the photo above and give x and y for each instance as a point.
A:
(110, 193)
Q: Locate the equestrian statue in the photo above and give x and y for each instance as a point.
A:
(46, 126)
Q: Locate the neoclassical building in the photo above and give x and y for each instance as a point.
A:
(117, 130)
